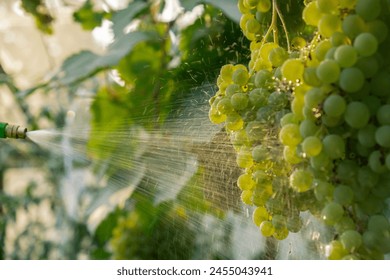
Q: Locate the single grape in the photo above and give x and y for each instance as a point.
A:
(292, 69)
(239, 101)
(379, 29)
(277, 56)
(245, 182)
(310, 77)
(327, 6)
(322, 48)
(281, 234)
(357, 114)
(351, 79)
(351, 240)
(334, 105)
(240, 77)
(260, 153)
(260, 215)
(328, 71)
(332, 213)
(262, 77)
(346, 55)
(366, 44)
(308, 128)
(383, 115)
(368, 9)
(264, 6)
(334, 146)
(301, 180)
(244, 158)
(312, 146)
(289, 135)
(353, 25)
(382, 136)
(343, 195)
(290, 155)
(336, 251)
(379, 224)
(329, 24)
(376, 162)
(267, 229)
(311, 14)
(252, 26)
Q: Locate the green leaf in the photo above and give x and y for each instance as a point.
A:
(228, 7)
(86, 63)
(123, 17)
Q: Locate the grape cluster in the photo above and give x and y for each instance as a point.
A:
(311, 124)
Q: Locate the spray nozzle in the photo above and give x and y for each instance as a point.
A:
(12, 131)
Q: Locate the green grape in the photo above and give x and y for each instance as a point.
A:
(322, 48)
(277, 56)
(240, 77)
(330, 53)
(380, 84)
(346, 223)
(258, 97)
(245, 182)
(251, 4)
(373, 103)
(369, 66)
(343, 195)
(281, 234)
(375, 162)
(321, 162)
(366, 44)
(357, 114)
(382, 189)
(311, 146)
(346, 56)
(347, 171)
(373, 240)
(338, 39)
(327, 6)
(310, 77)
(289, 135)
(244, 158)
(367, 178)
(224, 106)
(301, 180)
(279, 222)
(262, 78)
(311, 14)
(215, 116)
(289, 118)
(255, 130)
(278, 100)
(379, 224)
(234, 122)
(368, 9)
(334, 146)
(353, 25)
(264, 6)
(332, 213)
(290, 155)
(239, 101)
(260, 153)
(382, 136)
(246, 197)
(334, 105)
(252, 26)
(260, 177)
(347, 4)
(314, 97)
(267, 229)
(298, 43)
(351, 79)
(265, 114)
(292, 69)
(308, 128)
(242, 7)
(336, 250)
(294, 223)
(379, 29)
(383, 115)
(328, 71)
(240, 138)
(328, 25)
(260, 215)
(351, 240)
(266, 49)
(226, 72)
(232, 89)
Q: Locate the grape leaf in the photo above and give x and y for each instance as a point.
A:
(228, 7)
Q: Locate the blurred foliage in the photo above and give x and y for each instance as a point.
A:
(39, 11)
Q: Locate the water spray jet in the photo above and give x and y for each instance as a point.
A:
(12, 131)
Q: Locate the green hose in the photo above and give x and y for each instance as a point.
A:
(12, 131)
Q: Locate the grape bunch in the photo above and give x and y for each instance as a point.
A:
(310, 121)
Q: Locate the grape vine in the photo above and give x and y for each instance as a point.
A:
(309, 119)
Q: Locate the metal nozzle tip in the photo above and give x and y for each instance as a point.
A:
(15, 131)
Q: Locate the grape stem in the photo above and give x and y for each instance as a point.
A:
(273, 26)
